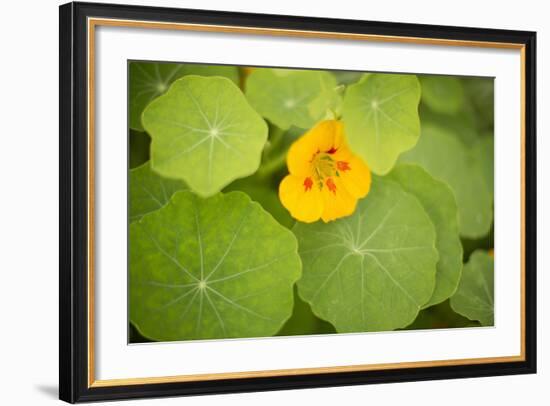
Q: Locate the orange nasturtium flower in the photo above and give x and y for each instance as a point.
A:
(326, 179)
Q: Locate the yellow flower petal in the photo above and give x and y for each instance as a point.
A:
(301, 198)
(338, 202)
(325, 136)
(299, 156)
(356, 178)
(343, 153)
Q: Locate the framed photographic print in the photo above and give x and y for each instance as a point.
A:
(256, 202)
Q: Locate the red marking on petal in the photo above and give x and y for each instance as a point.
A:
(343, 166)
(332, 150)
(308, 183)
(331, 186)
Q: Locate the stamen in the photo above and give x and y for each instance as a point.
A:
(323, 166)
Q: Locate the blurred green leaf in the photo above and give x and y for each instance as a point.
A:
(442, 94)
(462, 124)
(374, 270)
(149, 191)
(380, 114)
(446, 158)
(148, 80)
(205, 133)
(484, 155)
(219, 267)
(474, 297)
(292, 97)
(439, 202)
(344, 77)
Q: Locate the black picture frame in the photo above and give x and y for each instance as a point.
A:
(74, 200)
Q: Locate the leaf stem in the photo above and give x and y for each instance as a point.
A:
(276, 162)
(273, 166)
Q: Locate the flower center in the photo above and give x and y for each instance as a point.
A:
(323, 166)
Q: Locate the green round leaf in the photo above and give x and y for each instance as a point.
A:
(292, 97)
(381, 118)
(148, 80)
(474, 297)
(481, 95)
(484, 155)
(442, 94)
(446, 158)
(204, 132)
(149, 191)
(219, 267)
(373, 270)
(439, 202)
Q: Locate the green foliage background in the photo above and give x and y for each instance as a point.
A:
(214, 254)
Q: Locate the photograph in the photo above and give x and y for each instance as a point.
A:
(276, 201)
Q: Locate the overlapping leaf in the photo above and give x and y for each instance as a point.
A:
(373, 270)
(381, 120)
(440, 205)
(195, 275)
(292, 97)
(303, 321)
(149, 191)
(474, 297)
(440, 316)
(148, 80)
(205, 133)
(446, 158)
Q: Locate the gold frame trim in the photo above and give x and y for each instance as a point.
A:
(94, 22)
